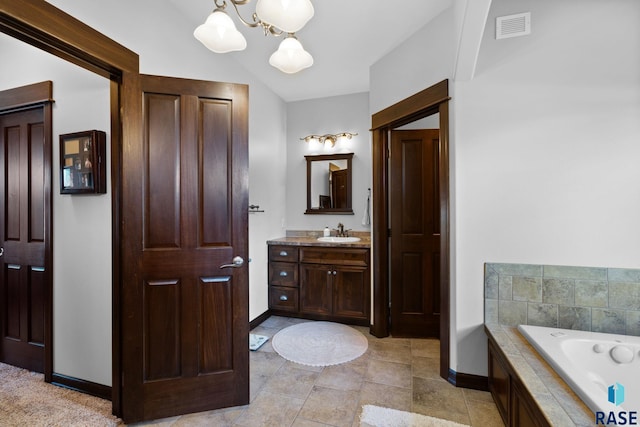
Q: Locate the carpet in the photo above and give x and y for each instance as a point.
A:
(377, 416)
(26, 400)
(319, 343)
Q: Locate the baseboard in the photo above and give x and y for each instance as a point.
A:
(83, 386)
(476, 382)
(258, 320)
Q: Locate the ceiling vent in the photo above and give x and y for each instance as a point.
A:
(513, 25)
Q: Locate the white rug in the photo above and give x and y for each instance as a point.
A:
(376, 416)
(319, 343)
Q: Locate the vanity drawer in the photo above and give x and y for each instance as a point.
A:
(335, 256)
(283, 253)
(282, 298)
(283, 274)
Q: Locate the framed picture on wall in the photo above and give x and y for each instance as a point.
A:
(83, 162)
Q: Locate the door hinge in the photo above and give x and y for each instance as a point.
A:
(388, 232)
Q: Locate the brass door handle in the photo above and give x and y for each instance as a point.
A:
(237, 263)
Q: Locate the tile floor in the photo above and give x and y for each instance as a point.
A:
(394, 372)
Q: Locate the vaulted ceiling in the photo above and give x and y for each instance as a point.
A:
(345, 38)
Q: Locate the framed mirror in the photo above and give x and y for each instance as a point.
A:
(329, 184)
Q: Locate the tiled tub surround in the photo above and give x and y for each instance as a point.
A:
(583, 298)
(559, 405)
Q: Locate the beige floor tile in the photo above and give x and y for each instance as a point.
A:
(275, 322)
(270, 409)
(389, 352)
(484, 414)
(439, 399)
(425, 367)
(163, 422)
(331, 406)
(301, 422)
(389, 373)
(477, 395)
(256, 383)
(218, 418)
(425, 348)
(386, 396)
(348, 376)
(264, 363)
(290, 364)
(291, 381)
(403, 342)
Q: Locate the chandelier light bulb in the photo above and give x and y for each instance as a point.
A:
(288, 15)
(220, 34)
(291, 56)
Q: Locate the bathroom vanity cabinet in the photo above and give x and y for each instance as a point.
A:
(320, 283)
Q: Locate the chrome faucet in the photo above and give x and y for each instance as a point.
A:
(341, 232)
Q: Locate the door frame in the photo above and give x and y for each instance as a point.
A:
(44, 26)
(40, 95)
(434, 99)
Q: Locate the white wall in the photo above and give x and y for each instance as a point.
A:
(347, 113)
(426, 58)
(82, 307)
(81, 223)
(544, 146)
(547, 150)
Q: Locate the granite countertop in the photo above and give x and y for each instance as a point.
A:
(313, 241)
(559, 404)
(310, 238)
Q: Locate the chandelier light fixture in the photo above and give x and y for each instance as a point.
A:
(275, 17)
(328, 137)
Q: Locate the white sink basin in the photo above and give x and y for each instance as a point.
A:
(334, 239)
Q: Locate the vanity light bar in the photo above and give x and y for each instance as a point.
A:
(332, 138)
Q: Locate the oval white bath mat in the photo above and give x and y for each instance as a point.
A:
(319, 343)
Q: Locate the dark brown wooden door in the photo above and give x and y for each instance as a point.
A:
(415, 235)
(339, 188)
(24, 287)
(185, 319)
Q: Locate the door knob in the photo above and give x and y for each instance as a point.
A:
(237, 262)
(1, 251)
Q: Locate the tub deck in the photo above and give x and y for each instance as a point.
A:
(556, 400)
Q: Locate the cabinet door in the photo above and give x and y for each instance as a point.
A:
(522, 415)
(350, 292)
(315, 288)
(499, 384)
